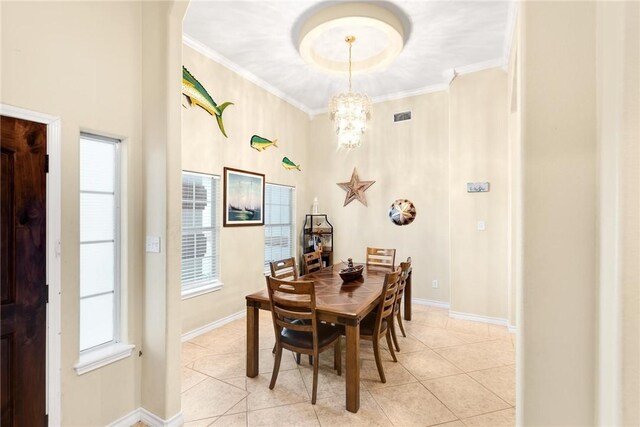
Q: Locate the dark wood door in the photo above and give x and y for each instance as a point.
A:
(23, 272)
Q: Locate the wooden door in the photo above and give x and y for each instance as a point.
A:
(23, 272)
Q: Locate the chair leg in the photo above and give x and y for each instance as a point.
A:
(310, 360)
(393, 333)
(315, 381)
(390, 344)
(276, 367)
(274, 349)
(399, 317)
(376, 353)
(298, 358)
(337, 357)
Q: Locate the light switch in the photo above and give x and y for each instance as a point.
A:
(482, 226)
(153, 244)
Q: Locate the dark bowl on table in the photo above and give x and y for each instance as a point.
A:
(350, 274)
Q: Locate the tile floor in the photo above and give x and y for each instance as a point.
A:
(450, 372)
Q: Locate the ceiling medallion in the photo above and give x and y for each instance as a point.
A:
(379, 31)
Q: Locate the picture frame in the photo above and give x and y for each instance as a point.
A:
(243, 198)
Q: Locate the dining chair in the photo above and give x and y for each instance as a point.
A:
(293, 308)
(378, 323)
(381, 257)
(405, 270)
(312, 262)
(284, 269)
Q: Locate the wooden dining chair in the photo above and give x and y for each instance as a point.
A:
(405, 269)
(284, 269)
(312, 262)
(381, 257)
(378, 323)
(293, 308)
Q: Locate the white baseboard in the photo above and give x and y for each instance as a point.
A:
(148, 418)
(153, 420)
(476, 318)
(512, 328)
(432, 303)
(213, 325)
(128, 420)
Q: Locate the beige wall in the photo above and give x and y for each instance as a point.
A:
(557, 339)
(69, 60)
(479, 152)
(618, 68)
(407, 160)
(206, 150)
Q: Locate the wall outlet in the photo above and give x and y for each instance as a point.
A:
(482, 226)
(434, 284)
(153, 244)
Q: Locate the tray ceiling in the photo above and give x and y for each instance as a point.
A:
(259, 40)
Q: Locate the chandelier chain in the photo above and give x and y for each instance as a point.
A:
(350, 46)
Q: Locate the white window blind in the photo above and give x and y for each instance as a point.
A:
(279, 223)
(99, 241)
(200, 231)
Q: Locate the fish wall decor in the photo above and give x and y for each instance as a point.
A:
(198, 95)
(289, 165)
(259, 143)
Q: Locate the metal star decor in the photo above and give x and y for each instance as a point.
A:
(355, 189)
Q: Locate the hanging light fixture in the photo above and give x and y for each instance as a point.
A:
(350, 111)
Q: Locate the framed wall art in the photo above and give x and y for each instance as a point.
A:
(243, 198)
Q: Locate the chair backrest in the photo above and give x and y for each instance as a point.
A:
(293, 306)
(381, 257)
(405, 269)
(387, 298)
(284, 269)
(312, 262)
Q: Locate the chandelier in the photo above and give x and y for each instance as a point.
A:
(350, 111)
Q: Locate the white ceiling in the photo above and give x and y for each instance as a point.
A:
(258, 39)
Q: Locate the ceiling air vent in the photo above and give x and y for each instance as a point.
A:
(401, 117)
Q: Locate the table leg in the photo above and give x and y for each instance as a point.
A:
(407, 299)
(253, 331)
(353, 367)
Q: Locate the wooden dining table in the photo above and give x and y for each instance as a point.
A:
(338, 302)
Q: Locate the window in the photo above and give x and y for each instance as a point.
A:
(99, 241)
(200, 231)
(279, 224)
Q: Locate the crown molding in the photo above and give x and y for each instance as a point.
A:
(395, 96)
(242, 72)
(447, 75)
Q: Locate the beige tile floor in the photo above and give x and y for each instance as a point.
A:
(450, 372)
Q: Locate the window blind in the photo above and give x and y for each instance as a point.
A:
(200, 231)
(279, 224)
(99, 241)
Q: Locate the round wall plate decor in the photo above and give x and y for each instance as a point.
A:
(402, 212)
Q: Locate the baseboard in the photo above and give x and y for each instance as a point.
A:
(512, 328)
(213, 325)
(153, 420)
(431, 303)
(150, 419)
(476, 318)
(128, 420)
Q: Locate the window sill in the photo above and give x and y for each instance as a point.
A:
(101, 357)
(201, 290)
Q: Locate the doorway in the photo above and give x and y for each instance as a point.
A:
(18, 125)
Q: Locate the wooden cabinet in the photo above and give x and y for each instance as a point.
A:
(318, 233)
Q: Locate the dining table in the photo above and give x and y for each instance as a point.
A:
(337, 302)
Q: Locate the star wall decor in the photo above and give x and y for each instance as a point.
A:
(355, 189)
